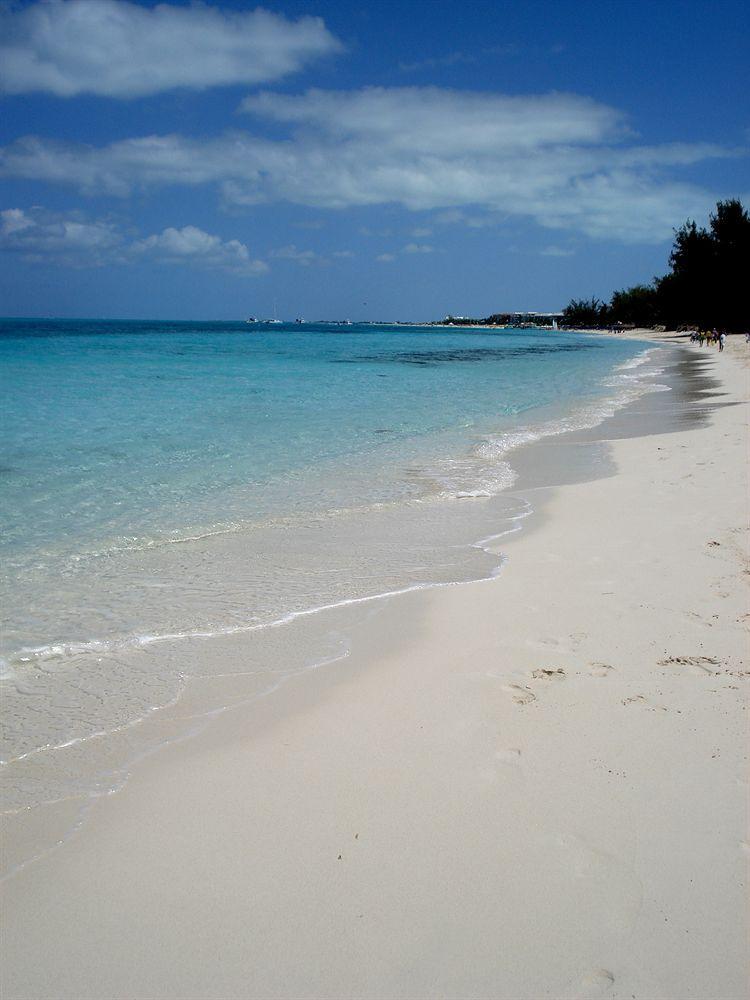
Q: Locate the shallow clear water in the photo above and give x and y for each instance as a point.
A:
(119, 438)
(163, 481)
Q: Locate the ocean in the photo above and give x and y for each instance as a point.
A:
(165, 484)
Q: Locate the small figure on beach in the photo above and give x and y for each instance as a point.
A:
(722, 340)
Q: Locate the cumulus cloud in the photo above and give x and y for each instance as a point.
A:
(195, 246)
(564, 161)
(120, 49)
(39, 235)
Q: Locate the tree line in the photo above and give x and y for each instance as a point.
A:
(707, 286)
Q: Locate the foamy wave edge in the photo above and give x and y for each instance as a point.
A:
(631, 387)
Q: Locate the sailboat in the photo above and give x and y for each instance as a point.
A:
(275, 317)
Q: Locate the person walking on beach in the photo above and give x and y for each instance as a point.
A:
(701, 337)
(722, 340)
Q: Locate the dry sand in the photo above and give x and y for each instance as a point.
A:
(529, 787)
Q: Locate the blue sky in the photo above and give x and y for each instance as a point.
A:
(374, 161)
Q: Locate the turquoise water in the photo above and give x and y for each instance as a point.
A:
(165, 484)
(119, 436)
(125, 430)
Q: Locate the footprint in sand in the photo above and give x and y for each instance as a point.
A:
(520, 695)
(592, 985)
(600, 669)
(700, 664)
(548, 674)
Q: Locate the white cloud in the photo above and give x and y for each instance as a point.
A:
(119, 49)
(343, 253)
(14, 220)
(386, 258)
(43, 236)
(566, 162)
(420, 232)
(195, 246)
(433, 121)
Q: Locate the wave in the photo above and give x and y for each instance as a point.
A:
(486, 471)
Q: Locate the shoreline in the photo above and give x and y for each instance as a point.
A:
(469, 867)
(489, 510)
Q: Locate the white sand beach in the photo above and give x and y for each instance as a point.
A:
(532, 786)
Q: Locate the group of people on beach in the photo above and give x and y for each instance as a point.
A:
(711, 338)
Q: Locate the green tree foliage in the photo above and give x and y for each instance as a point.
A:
(685, 294)
(730, 231)
(585, 312)
(636, 306)
(708, 284)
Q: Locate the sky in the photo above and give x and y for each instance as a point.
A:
(336, 159)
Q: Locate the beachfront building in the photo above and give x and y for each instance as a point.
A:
(523, 319)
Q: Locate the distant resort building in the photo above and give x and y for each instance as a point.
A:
(515, 319)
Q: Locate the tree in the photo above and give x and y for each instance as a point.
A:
(638, 306)
(585, 312)
(710, 272)
(686, 293)
(730, 234)
(708, 283)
